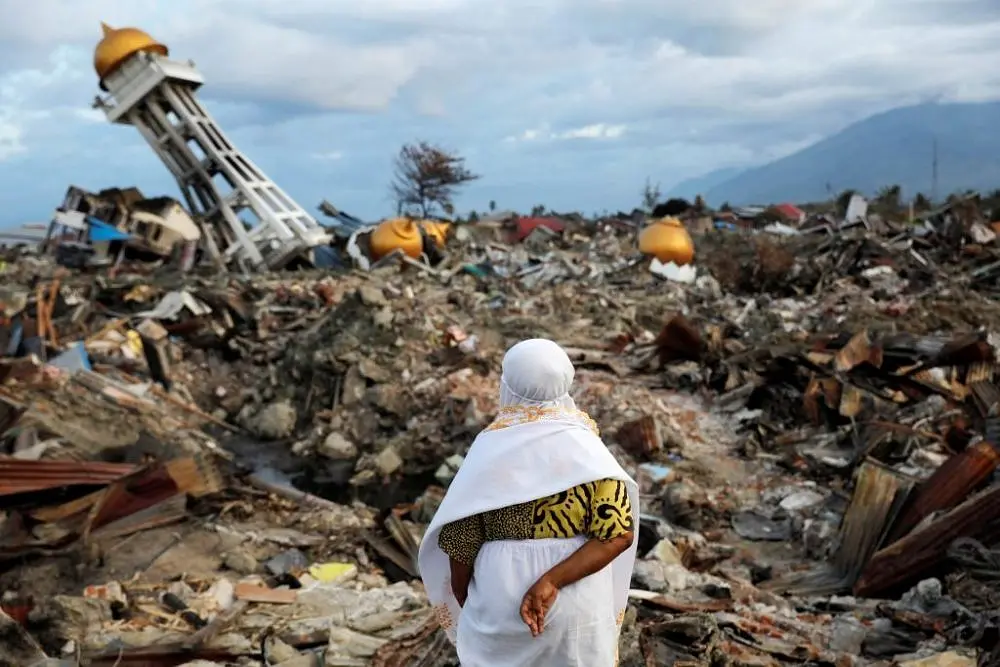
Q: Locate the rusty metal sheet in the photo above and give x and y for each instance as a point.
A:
(17, 476)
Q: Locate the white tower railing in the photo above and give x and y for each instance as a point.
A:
(219, 183)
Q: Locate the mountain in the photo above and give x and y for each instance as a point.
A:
(692, 187)
(894, 147)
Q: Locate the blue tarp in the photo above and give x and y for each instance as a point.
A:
(74, 359)
(102, 231)
(344, 224)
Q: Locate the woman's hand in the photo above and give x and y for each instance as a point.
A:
(592, 557)
(537, 603)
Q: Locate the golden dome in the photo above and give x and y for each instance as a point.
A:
(668, 241)
(437, 231)
(401, 233)
(118, 45)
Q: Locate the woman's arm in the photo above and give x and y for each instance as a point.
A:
(461, 575)
(611, 531)
(461, 541)
(593, 556)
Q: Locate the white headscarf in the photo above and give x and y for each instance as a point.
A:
(537, 373)
(538, 445)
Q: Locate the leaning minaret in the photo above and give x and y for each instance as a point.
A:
(254, 222)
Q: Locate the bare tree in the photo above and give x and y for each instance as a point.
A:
(426, 177)
(650, 196)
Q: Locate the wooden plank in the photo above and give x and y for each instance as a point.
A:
(255, 593)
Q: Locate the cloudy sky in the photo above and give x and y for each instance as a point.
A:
(568, 103)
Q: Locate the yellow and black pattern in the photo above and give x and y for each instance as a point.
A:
(462, 539)
(611, 510)
(564, 514)
(600, 510)
(509, 523)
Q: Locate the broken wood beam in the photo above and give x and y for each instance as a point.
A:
(950, 484)
(912, 558)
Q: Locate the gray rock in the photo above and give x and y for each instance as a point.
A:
(847, 635)
(662, 577)
(274, 422)
(388, 461)
(338, 448)
(66, 618)
(280, 652)
(354, 386)
(372, 296)
(241, 561)
(667, 553)
(447, 471)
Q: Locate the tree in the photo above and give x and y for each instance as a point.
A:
(844, 200)
(493, 206)
(726, 207)
(538, 211)
(650, 196)
(672, 207)
(921, 202)
(699, 204)
(890, 197)
(426, 177)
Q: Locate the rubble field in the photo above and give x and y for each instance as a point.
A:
(204, 469)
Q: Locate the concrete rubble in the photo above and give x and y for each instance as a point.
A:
(206, 469)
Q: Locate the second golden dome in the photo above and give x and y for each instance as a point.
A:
(668, 240)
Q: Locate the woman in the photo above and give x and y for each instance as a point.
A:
(529, 558)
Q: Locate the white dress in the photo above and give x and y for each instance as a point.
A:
(580, 628)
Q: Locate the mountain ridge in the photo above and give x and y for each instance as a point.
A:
(894, 147)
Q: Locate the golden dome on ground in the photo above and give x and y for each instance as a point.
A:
(397, 233)
(668, 241)
(118, 45)
(437, 231)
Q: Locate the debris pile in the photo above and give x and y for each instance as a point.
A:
(239, 470)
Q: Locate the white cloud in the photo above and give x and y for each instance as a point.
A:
(330, 156)
(592, 131)
(11, 143)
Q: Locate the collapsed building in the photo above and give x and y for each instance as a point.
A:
(100, 228)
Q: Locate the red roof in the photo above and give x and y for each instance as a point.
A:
(524, 226)
(790, 211)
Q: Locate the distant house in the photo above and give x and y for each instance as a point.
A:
(792, 214)
(522, 227)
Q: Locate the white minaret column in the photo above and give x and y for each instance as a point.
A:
(222, 186)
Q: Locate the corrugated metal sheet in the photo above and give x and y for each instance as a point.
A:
(17, 476)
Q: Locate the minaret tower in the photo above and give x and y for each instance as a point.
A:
(251, 221)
